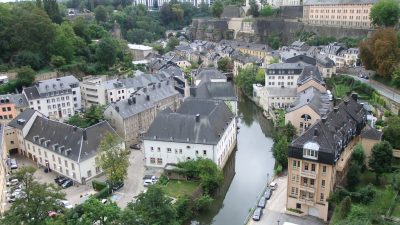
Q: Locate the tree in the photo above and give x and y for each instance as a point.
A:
(391, 131)
(113, 159)
(381, 158)
(28, 58)
(52, 10)
(57, 61)
(217, 8)
(172, 43)
(225, 64)
(106, 51)
(64, 42)
(353, 175)
(246, 78)
(358, 156)
(345, 207)
(380, 52)
(260, 76)
(385, 13)
(274, 41)
(32, 207)
(280, 151)
(25, 76)
(150, 208)
(100, 13)
(254, 8)
(94, 210)
(92, 116)
(396, 76)
(267, 11)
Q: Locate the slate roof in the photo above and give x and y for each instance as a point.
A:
(338, 2)
(72, 142)
(207, 74)
(56, 86)
(18, 99)
(297, 65)
(300, 58)
(333, 48)
(125, 110)
(24, 115)
(310, 73)
(182, 126)
(371, 133)
(240, 44)
(214, 90)
(316, 100)
(238, 56)
(324, 61)
(333, 132)
(281, 92)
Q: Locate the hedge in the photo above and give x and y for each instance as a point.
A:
(98, 185)
(104, 193)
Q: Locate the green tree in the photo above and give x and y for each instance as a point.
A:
(51, 8)
(396, 76)
(267, 11)
(113, 159)
(391, 131)
(273, 60)
(280, 151)
(150, 208)
(106, 51)
(217, 8)
(64, 42)
(254, 10)
(246, 78)
(345, 207)
(381, 158)
(94, 211)
(57, 61)
(183, 208)
(358, 155)
(385, 13)
(274, 41)
(172, 43)
(260, 76)
(100, 13)
(92, 116)
(353, 175)
(25, 76)
(225, 64)
(28, 58)
(32, 207)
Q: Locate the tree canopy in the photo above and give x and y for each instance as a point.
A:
(225, 64)
(217, 8)
(381, 158)
(385, 13)
(391, 132)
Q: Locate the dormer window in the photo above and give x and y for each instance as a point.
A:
(310, 150)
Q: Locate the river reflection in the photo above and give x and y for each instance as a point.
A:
(247, 171)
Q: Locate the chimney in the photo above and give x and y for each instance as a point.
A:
(336, 109)
(117, 108)
(144, 90)
(324, 119)
(346, 101)
(134, 100)
(148, 97)
(84, 135)
(354, 96)
(197, 118)
(315, 132)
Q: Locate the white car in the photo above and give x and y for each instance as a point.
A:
(273, 185)
(12, 182)
(66, 204)
(148, 182)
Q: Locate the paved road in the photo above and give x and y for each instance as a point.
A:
(382, 89)
(276, 206)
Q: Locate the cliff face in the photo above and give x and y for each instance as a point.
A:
(217, 29)
(210, 29)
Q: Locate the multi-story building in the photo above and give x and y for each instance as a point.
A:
(241, 61)
(257, 50)
(140, 52)
(156, 4)
(133, 116)
(318, 159)
(11, 105)
(283, 75)
(326, 66)
(93, 91)
(67, 150)
(56, 98)
(352, 14)
(200, 128)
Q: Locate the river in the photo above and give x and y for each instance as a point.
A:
(247, 171)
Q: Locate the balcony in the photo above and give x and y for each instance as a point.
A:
(307, 188)
(309, 174)
(307, 201)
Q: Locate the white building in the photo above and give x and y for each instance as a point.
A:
(67, 150)
(140, 52)
(200, 128)
(56, 98)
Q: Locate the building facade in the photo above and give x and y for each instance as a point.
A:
(67, 150)
(199, 128)
(318, 159)
(351, 14)
(10, 106)
(57, 98)
(133, 116)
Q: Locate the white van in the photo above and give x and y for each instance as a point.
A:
(13, 164)
(273, 185)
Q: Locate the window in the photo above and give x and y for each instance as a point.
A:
(293, 178)
(294, 164)
(45, 154)
(308, 153)
(89, 173)
(313, 167)
(12, 142)
(169, 150)
(73, 166)
(60, 168)
(324, 169)
(159, 161)
(158, 149)
(322, 197)
(204, 152)
(298, 206)
(180, 151)
(152, 149)
(293, 190)
(54, 166)
(59, 160)
(73, 175)
(152, 160)
(197, 152)
(312, 182)
(66, 163)
(323, 183)
(305, 166)
(67, 172)
(54, 158)
(305, 181)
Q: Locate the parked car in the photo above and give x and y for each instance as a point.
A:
(118, 185)
(65, 204)
(13, 164)
(58, 178)
(262, 202)
(257, 214)
(12, 182)
(136, 146)
(267, 193)
(104, 201)
(147, 182)
(273, 186)
(62, 181)
(68, 183)
(150, 177)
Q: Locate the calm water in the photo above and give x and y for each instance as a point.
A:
(249, 167)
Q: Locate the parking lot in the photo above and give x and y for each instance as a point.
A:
(78, 193)
(275, 209)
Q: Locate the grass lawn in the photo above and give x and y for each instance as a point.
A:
(177, 188)
(341, 90)
(280, 117)
(396, 210)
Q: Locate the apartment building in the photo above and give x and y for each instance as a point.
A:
(57, 98)
(140, 52)
(199, 128)
(67, 150)
(133, 116)
(257, 50)
(283, 75)
(319, 158)
(241, 61)
(11, 105)
(338, 13)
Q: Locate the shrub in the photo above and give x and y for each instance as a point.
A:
(345, 207)
(104, 193)
(295, 210)
(183, 208)
(203, 203)
(278, 169)
(98, 185)
(163, 180)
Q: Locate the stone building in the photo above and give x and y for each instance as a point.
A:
(133, 116)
